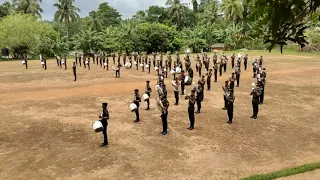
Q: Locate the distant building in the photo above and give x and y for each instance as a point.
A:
(218, 47)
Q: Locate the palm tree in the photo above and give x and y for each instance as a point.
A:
(85, 40)
(28, 6)
(66, 13)
(233, 9)
(177, 11)
(210, 14)
(95, 21)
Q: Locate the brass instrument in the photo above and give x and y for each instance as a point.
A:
(159, 104)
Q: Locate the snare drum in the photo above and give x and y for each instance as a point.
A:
(87, 62)
(145, 97)
(105, 64)
(165, 70)
(173, 72)
(156, 68)
(97, 126)
(178, 70)
(23, 62)
(42, 63)
(132, 107)
(147, 66)
(141, 65)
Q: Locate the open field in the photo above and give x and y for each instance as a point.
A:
(46, 124)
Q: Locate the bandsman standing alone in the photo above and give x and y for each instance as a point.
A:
(164, 115)
(238, 71)
(26, 62)
(256, 92)
(118, 70)
(215, 67)
(175, 85)
(182, 79)
(209, 80)
(104, 120)
(65, 63)
(148, 92)
(137, 100)
(230, 101)
(245, 62)
(225, 90)
(199, 97)
(74, 69)
(232, 60)
(192, 100)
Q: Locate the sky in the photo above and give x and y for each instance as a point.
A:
(127, 8)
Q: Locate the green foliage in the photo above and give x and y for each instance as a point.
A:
(285, 172)
(22, 33)
(28, 7)
(86, 40)
(156, 14)
(233, 9)
(154, 37)
(5, 9)
(109, 15)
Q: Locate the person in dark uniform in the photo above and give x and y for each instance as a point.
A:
(164, 115)
(231, 83)
(209, 80)
(260, 60)
(118, 70)
(104, 62)
(230, 101)
(192, 100)
(148, 91)
(215, 58)
(220, 68)
(164, 89)
(245, 62)
(215, 67)
(255, 68)
(238, 71)
(65, 63)
(199, 68)
(26, 62)
(137, 100)
(169, 61)
(202, 82)
(45, 63)
(57, 59)
(224, 62)
(80, 58)
(226, 90)
(101, 61)
(107, 61)
(60, 62)
(161, 60)
(261, 85)
(149, 64)
(74, 69)
(88, 60)
(113, 57)
(190, 72)
(182, 82)
(76, 58)
(199, 97)
(232, 60)
(104, 120)
(256, 92)
(142, 65)
(175, 85)
(124, 58)
(119, 57)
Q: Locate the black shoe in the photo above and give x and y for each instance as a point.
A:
(255, 117)
(164, 133)
(224, 108)
(252, 117)
(103, 144)
(237, 86)
(147, 109)
(197, 112)
(176, 104)
(136, 121)
(230, 122)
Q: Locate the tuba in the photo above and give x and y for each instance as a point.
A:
(159, 104)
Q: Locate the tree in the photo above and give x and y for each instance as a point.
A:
(85, 40)
(22, 33)
(109, 15)
(195, 5)
(66, 13)
(156, 14)
(285, 20)
(177, 12)
(153, 37)
(210, 13)
(55, 45)
(95, 21)
(5, 9)
(28, 6)
(233, 9)
(194, 38)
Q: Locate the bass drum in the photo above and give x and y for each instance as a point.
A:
(188, 81)
(132, 107)
(178, 70)
(97, 126)
(173, 72)
(23, 62)
(145, 97)
(127, 65)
